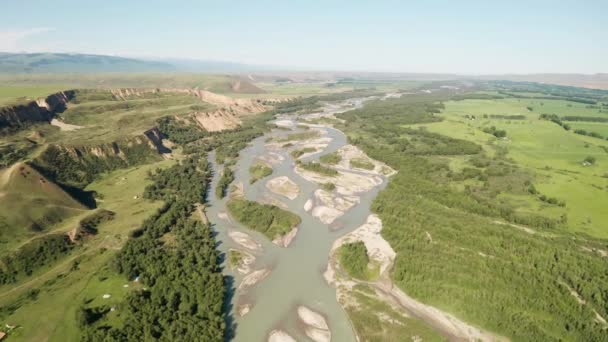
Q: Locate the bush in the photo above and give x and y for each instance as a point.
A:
(353, 258)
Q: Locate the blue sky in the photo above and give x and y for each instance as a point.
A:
(476, 37)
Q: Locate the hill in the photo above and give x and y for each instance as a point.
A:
(30, 203)
(66, 62)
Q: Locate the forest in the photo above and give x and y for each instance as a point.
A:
(477, 266)
(184, 289)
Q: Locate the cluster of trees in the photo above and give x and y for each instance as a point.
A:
(258, 171)
(499, 133)
(317, 167)
(221, 190)
(551, 200)
(184, 292)
(353, 258)
(590, 134)
(267, 219)
(300, 152)
(89, 224)
(77, 168)
(589, 160)
(328, 186)
(185, 181)
(330, 158)
(179, 132)
(361, 163)
(505, 117)
(33, 255)
(585, 118)
(476, 96)
(551, 91)
(13, 152)
(481, 271)
(554, 118)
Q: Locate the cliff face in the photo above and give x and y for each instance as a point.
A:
(77, 166)
(13, 118)
(150, 142)
(236, 105)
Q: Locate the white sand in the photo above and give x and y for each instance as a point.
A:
(245, 240)
(308, 205)
(280, 336)
(253, 278)
(242, 310)
(283, 186)
(316, 326)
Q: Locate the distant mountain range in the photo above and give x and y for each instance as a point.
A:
(48, 62)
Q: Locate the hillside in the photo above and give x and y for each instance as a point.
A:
(30, 203)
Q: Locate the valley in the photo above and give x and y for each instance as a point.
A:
(327, 214)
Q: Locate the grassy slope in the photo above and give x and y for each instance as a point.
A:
(66, 290)
(555, 155)
(30, 204)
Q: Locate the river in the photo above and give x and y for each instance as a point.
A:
(296, 276)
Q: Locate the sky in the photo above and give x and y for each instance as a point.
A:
(436, 36)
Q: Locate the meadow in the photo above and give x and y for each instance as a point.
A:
(60, 285)
(554, 155)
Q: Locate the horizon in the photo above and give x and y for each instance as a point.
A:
(472, 38)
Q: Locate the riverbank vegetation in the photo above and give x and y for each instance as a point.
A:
(267, 219)
(377, 321)
(330, 158)
(300, 152)
(258, 171)
(466, 246)
(221, 189)
(361, 163)
(318, 168)
(188, 276)
(353, 258)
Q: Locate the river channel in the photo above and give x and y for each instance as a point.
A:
(296, 276)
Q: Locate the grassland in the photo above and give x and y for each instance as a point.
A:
(598, 127)
(60, 289)
(215, 83)
(552, 153)
(10, 95)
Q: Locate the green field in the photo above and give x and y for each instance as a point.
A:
(598, 127)
(555, 156)
(10, 95)
(482, 224)
(61, 288)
